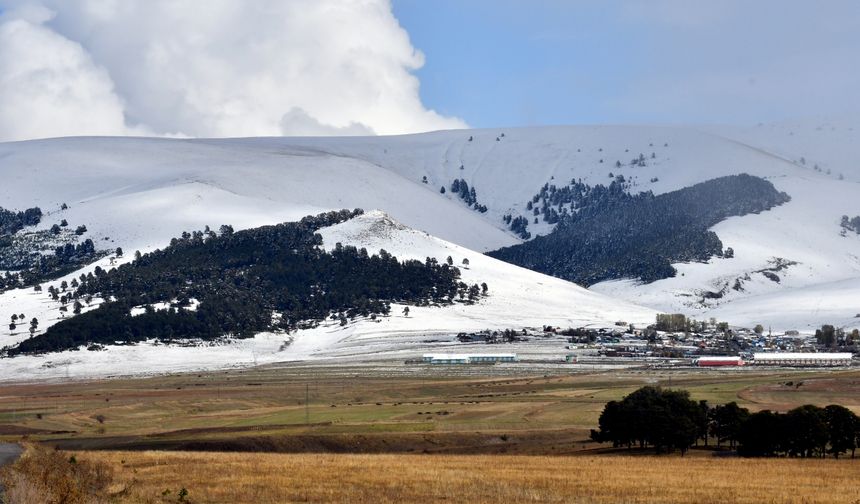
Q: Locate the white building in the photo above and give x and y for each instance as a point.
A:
(802, 359)
(468, 358)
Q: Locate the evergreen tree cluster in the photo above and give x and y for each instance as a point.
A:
(11, 222)
(832, 337)
(554, 204)
(467, 194)
(31, 258)
(669, 420)
(671, 322)
(268, 278)
(40, 268)
(666, 420)
(519, 225)
(678, 322)
(805, 431)
(492, 337)
(613, 234)
(850, 224)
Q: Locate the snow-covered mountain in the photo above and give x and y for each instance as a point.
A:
(138, 193)
(815, 162)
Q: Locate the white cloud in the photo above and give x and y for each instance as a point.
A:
(214, 68)
(55, 90)
(298, 122)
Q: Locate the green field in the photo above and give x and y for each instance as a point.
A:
(266, 409)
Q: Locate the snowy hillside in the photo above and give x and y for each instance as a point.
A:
(138, 193)
(518, 298)
(821, 145)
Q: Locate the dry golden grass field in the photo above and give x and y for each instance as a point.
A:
(158, 477)
(417, 435)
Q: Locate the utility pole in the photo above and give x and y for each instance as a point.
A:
(307, 398)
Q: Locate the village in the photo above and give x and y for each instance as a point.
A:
(674, 341)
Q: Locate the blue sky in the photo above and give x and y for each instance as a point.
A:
(505, 62)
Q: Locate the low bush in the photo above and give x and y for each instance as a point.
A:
(49, 476)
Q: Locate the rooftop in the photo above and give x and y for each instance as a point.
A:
(802, 355)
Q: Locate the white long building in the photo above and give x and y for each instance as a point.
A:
(802, 359)
(468, 358)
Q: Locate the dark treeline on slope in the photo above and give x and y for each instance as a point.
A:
(641, 236)
(554, 204)
(519, 225)
(26, 257)
(12, 222)
(241, 279)
(668, 420)
(36, 267)
(461, 188)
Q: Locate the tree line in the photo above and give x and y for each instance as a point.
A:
(612, 234)
(668, 420)
(34, 266)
